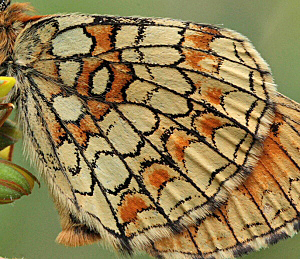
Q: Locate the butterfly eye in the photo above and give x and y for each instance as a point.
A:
(4, 4)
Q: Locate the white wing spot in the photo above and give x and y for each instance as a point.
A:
(68, 108)
(100, 80)
(110, 171)
(68, 71)
(71, 42)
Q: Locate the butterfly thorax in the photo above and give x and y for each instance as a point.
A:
(13, 19)
(10, 26)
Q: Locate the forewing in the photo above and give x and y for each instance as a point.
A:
(140, 126)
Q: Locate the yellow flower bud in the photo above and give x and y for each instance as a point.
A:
(6, 84)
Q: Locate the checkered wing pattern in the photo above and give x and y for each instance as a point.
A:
(141, 127)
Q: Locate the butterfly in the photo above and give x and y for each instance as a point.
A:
(154, 134)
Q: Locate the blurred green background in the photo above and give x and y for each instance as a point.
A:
(29, 226)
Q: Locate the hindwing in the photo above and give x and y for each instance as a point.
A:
(140, 126)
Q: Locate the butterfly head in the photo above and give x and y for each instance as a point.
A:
(4, 4)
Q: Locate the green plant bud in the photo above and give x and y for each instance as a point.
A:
(15, 182)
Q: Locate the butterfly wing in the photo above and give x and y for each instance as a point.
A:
(262, 211)
(139, 126)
